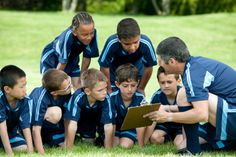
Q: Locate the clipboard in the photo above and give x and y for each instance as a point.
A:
(134, 116)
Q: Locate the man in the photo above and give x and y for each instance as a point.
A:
(209, 95)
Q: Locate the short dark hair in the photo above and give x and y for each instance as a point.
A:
(81, 17)
(53, 78)
(126, 72)
(127, 28)
(9, 75)
(90, 77)
(162, 70)
(173, 47)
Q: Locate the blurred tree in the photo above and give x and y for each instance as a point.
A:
(72, 5)
(164, 9)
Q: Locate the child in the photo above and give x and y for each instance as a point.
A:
(166, 95)
(127, 82)
(49, 101)
(91, 109)
(63, 53)
(15, 111)
(128, 46)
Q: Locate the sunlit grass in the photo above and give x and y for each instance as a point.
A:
(23, 35)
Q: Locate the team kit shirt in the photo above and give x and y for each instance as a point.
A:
(42, 100)
(113, 55)
(120, 107)
(89, 117)
(203, 75)
(65, 49)
(16, 119)
(169, 127)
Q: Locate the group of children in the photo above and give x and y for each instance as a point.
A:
(58, 118)
(54, 116)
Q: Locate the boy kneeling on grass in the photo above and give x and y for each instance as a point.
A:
(127, 96)
(89, 111)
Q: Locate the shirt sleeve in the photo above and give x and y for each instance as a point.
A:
(25, 116)
(193, 80)
(91, 50)
(156, 97)
(63, 45)
(73, 109)
(149, 56)
(107, 52)
(39, 107)
(107, 112)
(2, 112)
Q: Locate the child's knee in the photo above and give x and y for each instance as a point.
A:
(53, 114)
(157, 139)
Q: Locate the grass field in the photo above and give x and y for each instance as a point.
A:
(24, 34)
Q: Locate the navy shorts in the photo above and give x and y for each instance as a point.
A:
(52, 134)
(131, 134)
(171, 129)
(225, 120)
(208, 133)
(16, 139)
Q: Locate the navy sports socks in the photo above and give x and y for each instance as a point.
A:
(191, 131)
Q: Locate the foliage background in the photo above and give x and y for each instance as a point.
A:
(177, 7)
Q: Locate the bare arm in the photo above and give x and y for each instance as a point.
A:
(85, 64)
(61, 66)
(5, 139)
(38, 139)
(199, 113)
(145, 78)
(109, 132)
(140, 136)
(28, 138)
(70, 131)
(106, 72)
(148, 132)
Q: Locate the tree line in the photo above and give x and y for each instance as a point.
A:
(148, 7)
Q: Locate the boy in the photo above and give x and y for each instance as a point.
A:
(63, 53)
(91, 109)
(208, 95)
(49, 101)
(127, 83)
(166, 95)
(15, 111)
(128, 46)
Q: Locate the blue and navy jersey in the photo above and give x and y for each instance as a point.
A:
(42, 99)
(120, 107)
(80, 110)
(160, 97)
(203, 75)
(66, 49)
(114, 55)
(18, 117)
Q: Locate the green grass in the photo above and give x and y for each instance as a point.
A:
(24, 34)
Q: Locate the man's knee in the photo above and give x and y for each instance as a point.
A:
(53, 114)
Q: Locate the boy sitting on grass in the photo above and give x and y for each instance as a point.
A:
(166, 95)
(90, 108)
(127, 96)
(15, 111)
